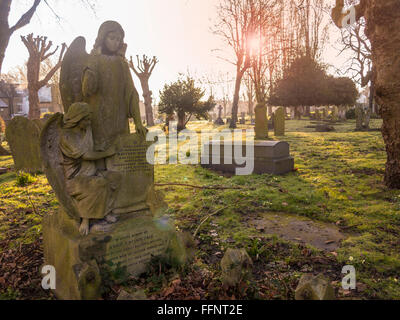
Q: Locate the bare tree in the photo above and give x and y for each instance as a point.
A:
(312, 29)
(236, 25)
(5, 30)
(144, 69)
(382, 29)
(249, 95)
(9, 90)
(39, 51)
(353, 39)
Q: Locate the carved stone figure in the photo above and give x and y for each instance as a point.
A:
(103, 80)
(92, 191)
(110, 214)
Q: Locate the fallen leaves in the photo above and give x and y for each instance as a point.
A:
(20, 270)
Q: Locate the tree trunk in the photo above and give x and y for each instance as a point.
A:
(11, 106)
(5, 33)
(181, 121)
(383, 25)
(297, 113)
(148, 101)
(33, 69)
(235, 104)
(34, 110)
(251, 108)
(4, 39)
(371, 97)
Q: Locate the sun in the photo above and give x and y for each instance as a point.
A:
(255, 44)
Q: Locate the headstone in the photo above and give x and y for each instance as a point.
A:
(272, 157)
(342, 114)
(261, 125)
(314, 288)
(236, 267)
(23, 136)
(279, 122)
(243, 119)
(335, 114)
(363, 116)
(219, 121)
(111, 220)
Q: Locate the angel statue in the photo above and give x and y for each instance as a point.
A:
(81, 148)
(103, 80)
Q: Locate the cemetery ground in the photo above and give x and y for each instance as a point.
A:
(332, 211)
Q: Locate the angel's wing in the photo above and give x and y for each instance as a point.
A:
(52, 159)
(73, 65)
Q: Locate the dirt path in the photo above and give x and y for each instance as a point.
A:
(299, 229)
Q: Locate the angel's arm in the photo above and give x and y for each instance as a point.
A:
(89, 82)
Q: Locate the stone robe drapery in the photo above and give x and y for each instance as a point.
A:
(90, 192)
(109, 90)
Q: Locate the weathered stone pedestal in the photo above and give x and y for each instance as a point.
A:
(81, 263)
(272, 157)
(136, 230)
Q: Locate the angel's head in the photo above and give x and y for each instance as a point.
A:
(78, 115)
(110, 40)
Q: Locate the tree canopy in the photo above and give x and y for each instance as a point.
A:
(341, 91)
(184, 98)
(306, 83)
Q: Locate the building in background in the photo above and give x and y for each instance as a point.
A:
(14, 100)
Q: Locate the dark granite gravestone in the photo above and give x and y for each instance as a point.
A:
(271, 157)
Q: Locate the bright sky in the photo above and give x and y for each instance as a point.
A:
(178, 32)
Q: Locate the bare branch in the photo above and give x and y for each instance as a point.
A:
(26, 17)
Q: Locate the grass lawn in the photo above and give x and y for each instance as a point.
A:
(338, 181)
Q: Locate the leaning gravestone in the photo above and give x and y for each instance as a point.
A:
(111, 220)
(279, 122)
(22, 136)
